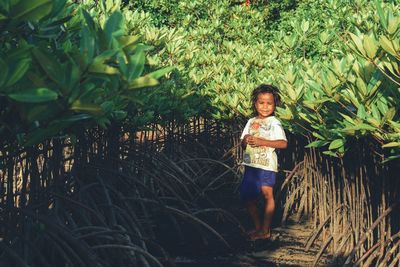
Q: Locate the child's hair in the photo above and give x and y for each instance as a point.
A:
(262, 89)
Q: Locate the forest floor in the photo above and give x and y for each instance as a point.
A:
(287, 247)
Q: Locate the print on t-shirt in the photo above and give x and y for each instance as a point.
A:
(268, 128)
(259, 155)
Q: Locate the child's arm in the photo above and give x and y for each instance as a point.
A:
(256, 141)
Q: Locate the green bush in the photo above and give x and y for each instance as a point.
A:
(337, 72)
(63, 70)
(348, 88)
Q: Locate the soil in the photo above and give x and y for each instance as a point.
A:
(286, 248)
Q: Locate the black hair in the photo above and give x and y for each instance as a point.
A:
(262, 89)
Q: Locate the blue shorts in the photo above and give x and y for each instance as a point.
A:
(253, 180)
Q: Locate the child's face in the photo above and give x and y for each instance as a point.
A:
(265, 105)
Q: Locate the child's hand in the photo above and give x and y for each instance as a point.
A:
(253, 141)
(245, 139)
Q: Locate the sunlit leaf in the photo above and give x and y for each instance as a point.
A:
(336, 144)
(391, 144)
(145, 81)
(318, 143)
(86, 108)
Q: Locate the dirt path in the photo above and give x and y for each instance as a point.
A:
(287, 249)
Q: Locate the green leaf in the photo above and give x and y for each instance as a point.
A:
(387, 45)
(315, 134)
(129, 42)
(349, 130)
(375, 112)
(103, 122)
(364, 126)
(395, 125)
(86, 88)
(391, 144)
(314, 85)
(318, 143)
(36, 80)
(358, 42)
(89, 21)
(305, 117)
(58, 7)
(383, 106)
(100, 67)
(391, 158)
(119, 114)
(336, 144)
(375, 122)
(323, 37)
(78, 106)
(107, 106)
(370, 46)
(18, 71)
(42, 112)
(2, 17)
(330, 153)
(347, 118)
(305, 25)
(87, 44)
(50, 65)
(361, 86)
(285, 114)
(114, 27)
(381, 15)
(375, 82)
(71, 76)
(31, 10)
(349, 95)
(291, 93)
(99, 64)
(389, 114)
(35, 95)
(160, 73)
(145, 81)
(136, 65)
(393, 23)
(3, 72)
(326, 84)
(361, 113)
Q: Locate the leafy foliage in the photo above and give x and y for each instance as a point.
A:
(348, 89)
(212, 55)
(337, 73)
(62, 69)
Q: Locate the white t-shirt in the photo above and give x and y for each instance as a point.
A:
(263, 157)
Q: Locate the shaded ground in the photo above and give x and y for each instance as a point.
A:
(286, 249)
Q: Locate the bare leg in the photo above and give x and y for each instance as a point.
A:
(253, 211)
(268, 193)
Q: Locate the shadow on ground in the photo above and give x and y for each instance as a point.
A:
(287, 247)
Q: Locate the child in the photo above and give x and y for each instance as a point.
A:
(260, 137)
